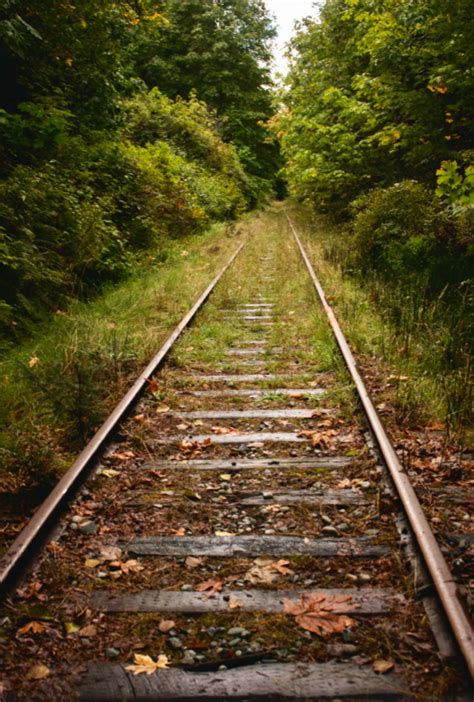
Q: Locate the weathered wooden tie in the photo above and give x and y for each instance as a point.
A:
(113, 683)
(365, 601)
(256, 545)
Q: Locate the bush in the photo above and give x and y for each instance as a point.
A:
(402, 233)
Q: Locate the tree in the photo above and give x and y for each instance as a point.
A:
(221, 51)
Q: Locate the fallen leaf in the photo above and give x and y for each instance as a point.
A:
(34, 360)
(146, 664)
(267, 571)
(71, 628)
(110, 553)
(88, 631)
(153, 385)
(140, 418)
(162, 409)
(382, 666)
(91, 563)
(110, 473)
(38, 672)
(224, 533)
(182, 427)
(210, 587)
(180, 532)
(321, 613)
(225, 476)
(127, 567)
(122, 455)
(32, 628)
(224, 430)
(193, 562)
(234, 603)
(166, 625)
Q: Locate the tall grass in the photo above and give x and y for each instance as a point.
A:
(59, 386)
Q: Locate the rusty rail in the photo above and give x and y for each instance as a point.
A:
(429, 547)
(24, 548)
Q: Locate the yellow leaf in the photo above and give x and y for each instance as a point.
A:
(91, 563)
(83, 23)
(225, 476)
(69, 61)
(146, 664)
(110, 472)
(34, 360)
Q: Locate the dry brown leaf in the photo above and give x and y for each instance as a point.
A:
(110, 553)
(34, 360)
(193, 562)
(146, 664)
(382, 666)
(224, 430)
(321, 613)
(131, 566)
(153, 385)
(267, 571)
(210, 587)
(32, 628)
(38, 672)
(166, 625)
(140, 418)
(88, 631)
(180, 532)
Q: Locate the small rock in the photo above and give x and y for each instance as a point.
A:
(268, 532)
(343, 526)
(77, 519)
(372, 532)
(73, 526)
(365, 485)
(267, 495)
(238, 631)
(325, 519)
(234, 642)
(365, 578)
(222, 667)
(112, 652)
(189, 657)
(329, 531)
(352, 577)
(187, 588)
(88, 528)
(175, 643)
(238, 653)
(211, 630)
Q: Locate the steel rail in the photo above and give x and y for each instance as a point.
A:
(429, 547)
(22, 549)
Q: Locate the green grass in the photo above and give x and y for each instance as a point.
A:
(59, 386)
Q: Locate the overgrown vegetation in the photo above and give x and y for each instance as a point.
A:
(103, 157)
(377, 131)
(58, 387)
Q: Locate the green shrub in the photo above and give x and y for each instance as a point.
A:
(402, 233)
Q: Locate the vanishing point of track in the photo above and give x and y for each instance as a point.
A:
(265, 458)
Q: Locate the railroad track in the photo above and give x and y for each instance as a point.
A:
(240, 520)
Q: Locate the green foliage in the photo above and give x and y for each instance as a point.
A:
(453, 187)
(431, 249)
(221, 51)
(379, 90)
